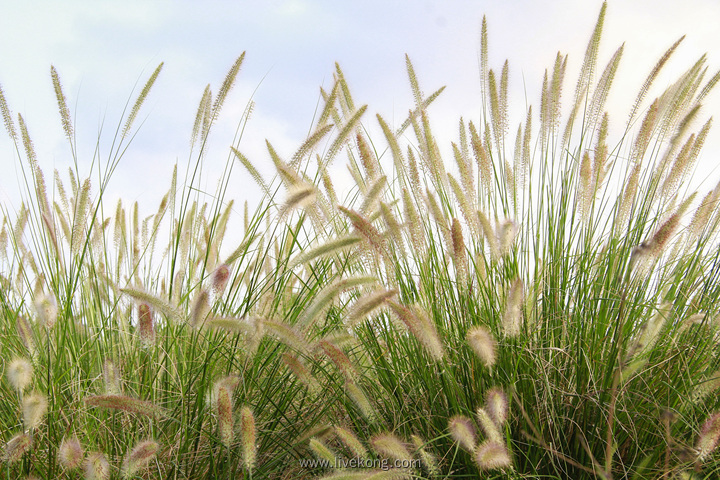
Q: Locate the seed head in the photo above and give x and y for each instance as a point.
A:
(219, 278)
(26, 334)
(225, 415)
(200, 308)
(507, 231)
(390, 446)
(127, 404)
(428, 459)
(709, 436)
(483, 344)
(462, 430)
(512, 318)
(111, 376)
(341, 361)
(34, 409)
(492, 455)
(140, 456)
(97, 467)
(492, 432)
(17, 447)
(352, 442)
(248, 437)
(71, 453)
(496, 405)
(361, 400)
(322, 451)
(20, 372)
(300, 371)
(146, 329)
(46, 310)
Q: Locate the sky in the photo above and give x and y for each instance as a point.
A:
(103, 49)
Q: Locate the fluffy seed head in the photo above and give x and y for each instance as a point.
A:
(225, 415)
(97, 467)
(492, 455)
(496, 405)
(200, 308)
(483, 344)
(458, 248)
(248, 437)
(71, 453)
(140, 456)
(300, 371)
(112, 379)
(146, 328)
(17, 447)
(34, 409)
(127, 404)
(351, 441)
(361, 400)
(26, 334)
(390, 446)
(20, 372)
(492, 432)
(368, 304)
(507, 231)
(322, 451)
(428, 459)
(46, 310)
(462, 430)
(709, 436)
(341, 361)
(219, 278)
(512, 318)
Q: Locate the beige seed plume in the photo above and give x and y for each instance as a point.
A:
(225, 414)
(139, 457)
(35, 407)
(496, 406)
(368, 304)
(127, 404)
(71, 453)
(361, 400)
(19, 373)
(709, 436)
(512, 317)
(489, 427)
(146, 327)
(427, 459)
(462, 431)
(492, 455)
(341, 361)
(351, 441)
(97, 467)
(391, 446)
(483, 344)
(248, 437)
(302, 373)
(16, 447)
(458, 250)
(322, 451)
(112, 378)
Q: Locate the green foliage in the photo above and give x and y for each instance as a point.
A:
(554, 315)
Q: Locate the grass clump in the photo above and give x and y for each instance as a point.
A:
(548, 310)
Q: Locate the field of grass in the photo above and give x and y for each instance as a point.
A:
(544, 304)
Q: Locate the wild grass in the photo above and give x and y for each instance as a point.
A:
(547, 310)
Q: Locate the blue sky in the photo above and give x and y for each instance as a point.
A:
(101, 49)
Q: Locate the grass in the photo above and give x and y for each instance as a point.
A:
(545, 305)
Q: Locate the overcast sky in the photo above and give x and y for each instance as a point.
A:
(102, 48)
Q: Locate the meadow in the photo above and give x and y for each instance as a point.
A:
(541, 303)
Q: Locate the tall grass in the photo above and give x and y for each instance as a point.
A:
(546, 307)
